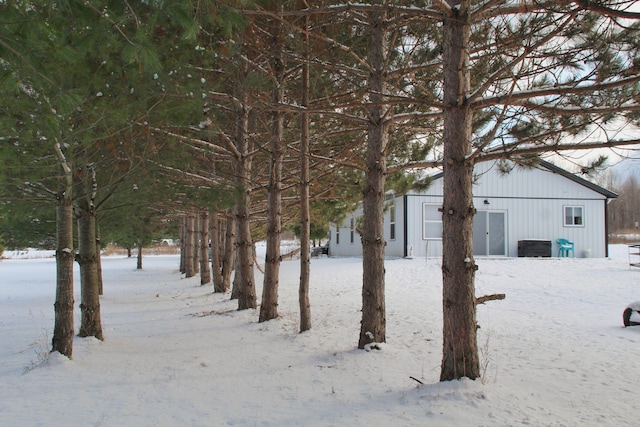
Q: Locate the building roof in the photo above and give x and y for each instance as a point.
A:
(556, 169)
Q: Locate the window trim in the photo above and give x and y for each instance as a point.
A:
(430, 221)
(392, 221)
(572, 216)
(352, 230)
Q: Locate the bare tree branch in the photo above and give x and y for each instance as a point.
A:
(517, 150)
(594, 6)
(192, 140)
(493, 297)
(511, 64)
(568, 89)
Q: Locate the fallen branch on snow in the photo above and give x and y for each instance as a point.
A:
(416, 380)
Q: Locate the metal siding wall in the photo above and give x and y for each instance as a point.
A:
(535, 219)
(395, 248)
(533, 200)
(346, 248)
(528, 183)
(421, 247)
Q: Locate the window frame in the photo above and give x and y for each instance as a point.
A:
(573, 216)
(392, 221)
(426, 221)
(352, 230)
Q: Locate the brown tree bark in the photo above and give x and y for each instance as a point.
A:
(305, 230)
(246, 288)
(182, 233)
(99, 251)
(373, 325)
(216, 257)
(90, 325)
(63, 330)
(269, 306)
(84, 191)
(189, 246)
(460, 349)
(205, 271)
(237, 278)
(228, 259)
(139, 255)
(244, 279)
(196, 243)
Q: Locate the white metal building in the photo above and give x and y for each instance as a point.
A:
(526, 208)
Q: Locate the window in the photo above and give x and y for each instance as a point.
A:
(352, 230)
(432, 222)
(392, 221)
(573, 216)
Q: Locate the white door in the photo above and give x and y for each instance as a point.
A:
(489, 233)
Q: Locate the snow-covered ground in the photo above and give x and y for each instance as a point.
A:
(554, 352)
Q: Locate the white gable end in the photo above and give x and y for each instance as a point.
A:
(528, 183)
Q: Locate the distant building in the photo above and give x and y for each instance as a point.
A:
(526, 208)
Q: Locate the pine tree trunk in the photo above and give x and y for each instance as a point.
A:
(244, 274)
(373, 325)
(228, 259)
(189, 246)
(305, 230)
(205, 271)
(197, 243)
(237, 278)
(99, 252)
(182, 234)
(139, 257)
(460, 350)
(63, 330)
(84, 191)
(246, 286)
(269, 306)
(216, 267)
(90, 325)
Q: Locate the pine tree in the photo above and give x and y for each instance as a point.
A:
(305, 221)
(275, 47)
(519, 80)
(113, 81)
